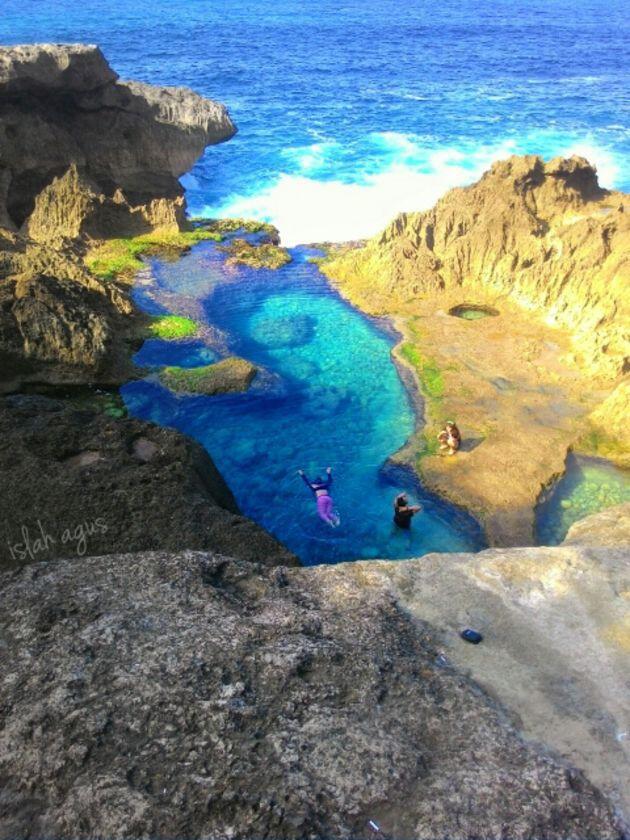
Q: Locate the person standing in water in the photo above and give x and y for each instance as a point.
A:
(323, 498)
(404, 512)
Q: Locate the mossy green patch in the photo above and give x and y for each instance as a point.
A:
(121, 257)
(230, 375)
(267, 255)
(430, 375)
(171, 327)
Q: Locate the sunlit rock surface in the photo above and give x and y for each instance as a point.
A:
(188, 694)
(549, 251)
(63, 105)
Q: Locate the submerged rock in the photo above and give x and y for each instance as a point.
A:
(190, 695)
(230, 375)
(74, 481)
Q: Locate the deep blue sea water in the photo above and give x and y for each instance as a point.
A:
(329, 395)
(352, 110)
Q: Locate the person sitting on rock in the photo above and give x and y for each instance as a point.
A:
(323, 498)
(404, 512)
(450, 438)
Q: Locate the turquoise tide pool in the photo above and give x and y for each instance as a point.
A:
(328, 395)
(588, 486)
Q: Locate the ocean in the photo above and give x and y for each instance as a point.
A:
(350, 111)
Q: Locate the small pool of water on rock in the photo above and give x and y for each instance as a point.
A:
(329, 395)
(469, 312)
(588, 486)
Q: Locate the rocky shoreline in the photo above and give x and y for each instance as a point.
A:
(545, 248)
(189, 694)
(166, 667)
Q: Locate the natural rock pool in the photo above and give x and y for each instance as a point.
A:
(328, 395)
(587, 486)
(471, 312)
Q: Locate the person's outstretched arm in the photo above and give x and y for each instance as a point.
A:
(305, 479)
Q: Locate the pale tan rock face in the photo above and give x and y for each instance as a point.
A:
(544, 234)
(549, 251)
(556, 627)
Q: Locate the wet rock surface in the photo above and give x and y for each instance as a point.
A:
(188, 695)
(77, 482)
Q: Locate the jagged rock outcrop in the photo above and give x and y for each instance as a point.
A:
(58, 323)
(83, 156)
(62, 105)
(543, 234)
(190, 695)
(549, 251)
(76, 481)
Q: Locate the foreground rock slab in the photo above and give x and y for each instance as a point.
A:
(189, 695)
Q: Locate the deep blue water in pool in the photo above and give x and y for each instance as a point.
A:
(329, 395)
(350, 111)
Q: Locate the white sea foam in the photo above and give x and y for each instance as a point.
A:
(399, 172)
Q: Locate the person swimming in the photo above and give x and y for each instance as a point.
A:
(450, 438)
(404, 512)
(324, 500)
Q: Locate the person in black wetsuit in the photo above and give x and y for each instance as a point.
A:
(404, 512)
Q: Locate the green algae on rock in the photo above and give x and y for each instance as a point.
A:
(267, 255)
(172, 327)
(231, 375)
(121, 257)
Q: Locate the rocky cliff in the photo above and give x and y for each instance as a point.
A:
(544, 253)
(545, 235)
(63, 105)
(83, 156)
(192, 695)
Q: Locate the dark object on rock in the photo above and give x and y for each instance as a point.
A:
(471, 636)
(187, 695)
(78, 482)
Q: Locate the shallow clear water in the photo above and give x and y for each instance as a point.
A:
(329, 396)
(588, 486)
(352, 110)
(157, 352)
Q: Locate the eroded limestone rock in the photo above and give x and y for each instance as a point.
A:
(231, 375)
(63, 105)
(172, 695)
